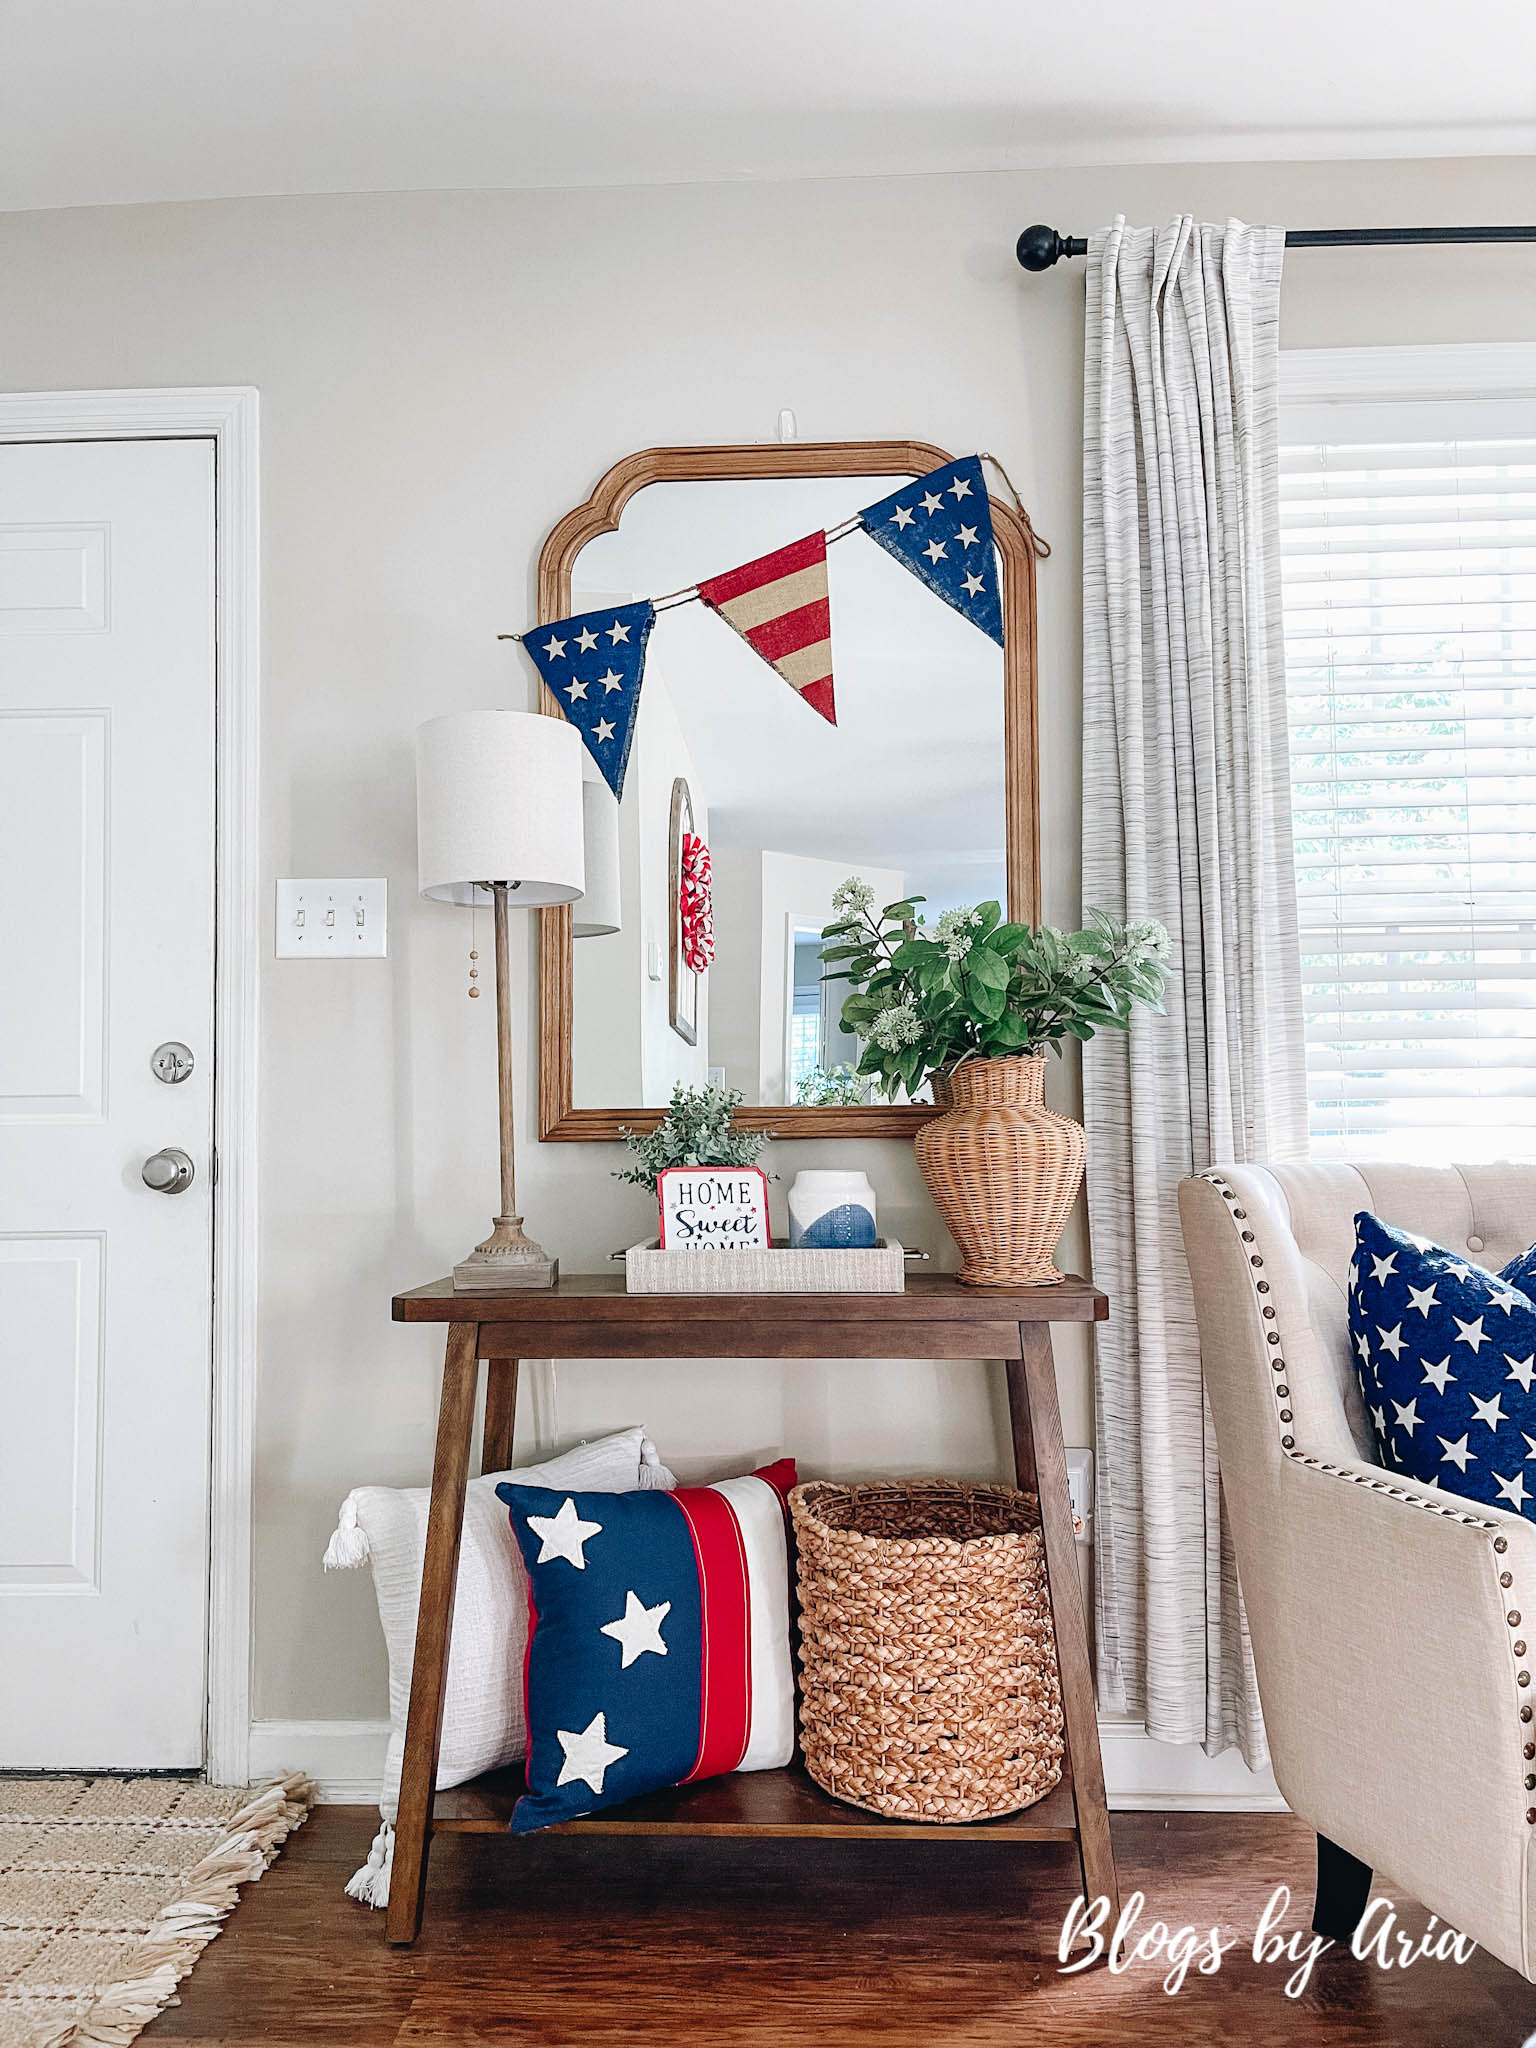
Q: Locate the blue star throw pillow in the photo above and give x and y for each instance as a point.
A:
(660, 1645)
(1445, 1353)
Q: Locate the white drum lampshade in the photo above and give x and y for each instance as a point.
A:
(498, 799)
(596, 916)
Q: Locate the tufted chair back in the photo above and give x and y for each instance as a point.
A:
(1393, 1624)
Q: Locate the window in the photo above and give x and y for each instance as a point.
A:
(1410, 630)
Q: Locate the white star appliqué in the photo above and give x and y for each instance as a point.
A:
(1530, 1447)
(936, 551)
(576, 689)
(603, 730)
(903, 517)
(933, 503)
(1379, 1422)
(563, 1535)
(1407, 1418)
(554, 648)
(1513, 1490)
(588, 1755)
(1391, 1340)
(1362, 1345)
(1382, 1269)
(611, 680)
(1471, 1333)
(586, 639)
(1423, 1299)
(1457, 1453)
(1521, 1369)
(966, 536)
(617, 632)
(974, 586)
(638, 1629)
(1436, 1376)
(1506, 1298)
(960, 488)
(1461, 1269)
(1491, 1412)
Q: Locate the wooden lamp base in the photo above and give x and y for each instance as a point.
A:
(506, 1259)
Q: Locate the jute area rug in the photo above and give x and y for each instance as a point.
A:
(111, 1888)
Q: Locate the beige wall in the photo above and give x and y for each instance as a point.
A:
(440, 377)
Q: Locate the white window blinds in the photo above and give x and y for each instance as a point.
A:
(1410, 629)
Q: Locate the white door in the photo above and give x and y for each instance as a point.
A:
(106, 953)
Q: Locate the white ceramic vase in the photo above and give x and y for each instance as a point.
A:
(831, 1210)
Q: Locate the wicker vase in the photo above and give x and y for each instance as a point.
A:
(1004, 1171)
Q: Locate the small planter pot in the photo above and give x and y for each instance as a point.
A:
(831, 1210)
(1004, 1172)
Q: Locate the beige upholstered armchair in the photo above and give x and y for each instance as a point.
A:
(1390, 1621)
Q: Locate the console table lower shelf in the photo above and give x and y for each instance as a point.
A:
(785, 1802)
(591, 1316)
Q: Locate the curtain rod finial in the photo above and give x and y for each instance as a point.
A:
(1039, 247)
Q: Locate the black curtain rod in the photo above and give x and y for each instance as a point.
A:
(1041, 247)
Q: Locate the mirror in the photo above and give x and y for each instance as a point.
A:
(925, 784)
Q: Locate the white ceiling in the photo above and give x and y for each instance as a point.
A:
(111, 101)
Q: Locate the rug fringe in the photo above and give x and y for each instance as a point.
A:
(371, 1883)
(183, 1928)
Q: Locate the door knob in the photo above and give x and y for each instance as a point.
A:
(169, 1172)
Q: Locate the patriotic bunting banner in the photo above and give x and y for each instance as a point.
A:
(778, 604)
(940, 527)
(593, 666)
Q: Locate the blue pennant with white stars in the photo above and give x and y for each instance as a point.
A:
(1445, 1353)
(940, 527)
(593, 666)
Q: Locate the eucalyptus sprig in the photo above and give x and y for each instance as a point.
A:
(697, 1130)
(976, 986)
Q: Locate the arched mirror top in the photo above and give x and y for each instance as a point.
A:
(926, 784)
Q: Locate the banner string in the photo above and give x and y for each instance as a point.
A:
(1041, 547)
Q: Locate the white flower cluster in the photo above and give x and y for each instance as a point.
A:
(853, 896)
(953, 931)
(896, 1027)
(1146, 940)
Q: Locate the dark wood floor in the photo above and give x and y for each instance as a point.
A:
(793, 1944)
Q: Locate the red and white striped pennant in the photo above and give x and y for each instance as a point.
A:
(778, 604)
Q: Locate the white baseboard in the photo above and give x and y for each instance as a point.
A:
(1142, 1774)
(346, 1758)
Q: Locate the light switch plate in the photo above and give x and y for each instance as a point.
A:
(332, 920)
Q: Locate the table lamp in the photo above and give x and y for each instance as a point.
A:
(499, 821)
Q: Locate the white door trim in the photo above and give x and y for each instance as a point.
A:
(228, 416)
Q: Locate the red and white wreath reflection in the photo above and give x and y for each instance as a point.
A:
(695, 907)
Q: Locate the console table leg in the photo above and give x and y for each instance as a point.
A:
(1040, 1460)
(500, 1415)
(434, 1633)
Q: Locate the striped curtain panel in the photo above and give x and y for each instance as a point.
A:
(1186, 817)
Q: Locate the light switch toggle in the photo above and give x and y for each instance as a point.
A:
(325, 920)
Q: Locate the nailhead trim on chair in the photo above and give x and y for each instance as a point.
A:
(1288, 1446)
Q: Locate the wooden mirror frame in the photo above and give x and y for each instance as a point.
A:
(1017, 548)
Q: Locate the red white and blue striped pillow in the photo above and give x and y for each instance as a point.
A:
(659, 1645)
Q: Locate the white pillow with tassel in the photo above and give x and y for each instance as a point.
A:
(483, 1724)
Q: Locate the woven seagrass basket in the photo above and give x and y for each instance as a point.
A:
(928, 1682)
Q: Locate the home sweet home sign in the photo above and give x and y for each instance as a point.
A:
(713, 1208)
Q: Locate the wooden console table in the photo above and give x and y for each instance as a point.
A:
(589, 1316)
